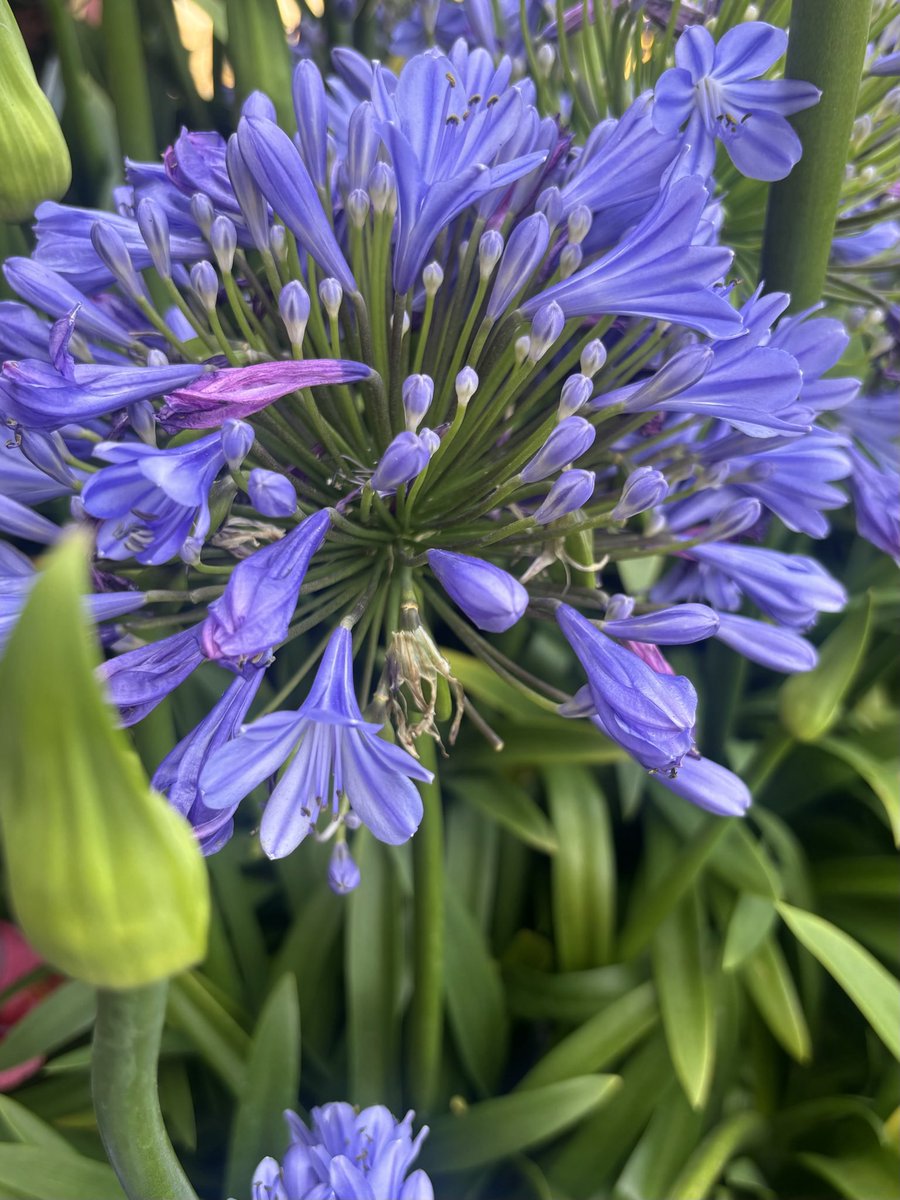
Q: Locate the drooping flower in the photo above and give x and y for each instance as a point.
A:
(336, 759)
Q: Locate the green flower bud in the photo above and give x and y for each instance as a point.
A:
(106, 880)
(33, 151)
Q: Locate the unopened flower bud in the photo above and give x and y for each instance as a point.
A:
(223, 240)
(418, 392)
(382, 188)
(343, 873)
(550, 203)
(33, 151)
(572, 490)
(205, 283)
(430, 440)
(237, 438)
(293, 305)
(278, 243)
(579, 223)
(154, 226)
(157, 358)
(491, 598)
(113, 253)
(203, 212)
(576, 391)
(432, 278)
(522, 348)
(142, 416)
(644, 488)
(271, 494)
(331, 293)
(569, 261)
(358, 205)
(568, 441)
(46, 451)
(548, 324)
(593, 356)
(490, 247)
(402, 461)
(526, 247)
(466, 385)
(546, 57)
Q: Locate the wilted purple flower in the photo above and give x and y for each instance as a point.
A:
(346, 1152)
(716, 92)
(242, 391)
(651, 716)
(255, 610)
(572, 490)
(569, 440)
(137, 680)
(335, 752)
(271, 494)
(489, 596)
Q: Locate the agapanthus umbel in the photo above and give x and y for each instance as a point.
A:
(268, 505)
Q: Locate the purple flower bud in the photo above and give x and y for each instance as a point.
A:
(418, 392)
(430, 440)
(579, 223)
(46, 451)
(142, 416)
(491, 598)
(293, 304)
(490, 247)
(343, 873)
(683, 370)
(619, 606)
(466, 385)
(593, 356)
(203, 212)
(139, 679)
(278, 243)
(271, 494)
(112, 251)
(223, 239)
(710, 786)
(575, 393)
(331, 294)
(773, 647)
(734, 520)
(569, 261)
(382, 187)
(259, 105)
(521, 348)
(677, 626)
(312, 118)
(568, 441)
(205, 283)
(154, 226)
(526, 247)
(546, 327)
(550, 204)
(237, 438)
(358, 205)
(572, 490)
(432, 278)
(402, 461)
(255, 610)
(644, 488)
(250, 199)
(157, 358)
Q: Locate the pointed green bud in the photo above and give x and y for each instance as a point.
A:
(106, 880)
(33, 151)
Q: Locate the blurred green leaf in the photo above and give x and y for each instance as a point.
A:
(872, 989)
(476, 1007)
(809, 702)
(882, 777)
(875, 876)
(271, 1083)
(870, 1176)
(19, 1124)
(583, 871)
(662, 1148)
(312, 952)
(599, 1042)
(215, 1034)
(61, 1016)
(751, 919)
(683, 987)
(570, 996)
(177, 1102)
(510, 806)
(488, 688)
(768, 980)
(41, 1173)
(700, 1173)
(494, 1129)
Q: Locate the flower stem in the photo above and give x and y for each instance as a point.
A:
(124, 1064)
(426, 1022)
(827, 47)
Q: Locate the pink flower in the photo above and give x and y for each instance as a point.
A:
(17, 959)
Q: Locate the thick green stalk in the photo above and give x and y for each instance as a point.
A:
(827, 47)
(426, 1020)
(123, 1080)
(127, 79)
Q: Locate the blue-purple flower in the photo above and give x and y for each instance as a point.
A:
(489, 596)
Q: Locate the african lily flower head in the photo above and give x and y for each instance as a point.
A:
(269, 507)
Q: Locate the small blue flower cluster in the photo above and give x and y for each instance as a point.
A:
(227, 381)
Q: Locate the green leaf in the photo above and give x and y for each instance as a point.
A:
(572, 996)
(107, 880)
(510, 806)
(882, 777)
(809, 702)
(583, 871)
(663, 1147)
(869, 876)
(372, 957)
(218, 1038)
(495, 1129)
(872, 989)
(685, 998)
(488, 688)
(177, 1102)
(312, 952)
(769, 982)
(599, 1042)
(19, 1124)
(476, 1006)
(566, 743)
(40, 1173)
(870, 1176)
(750, 921)
(271, 1084)
(64, 1014)
(709, 1160)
